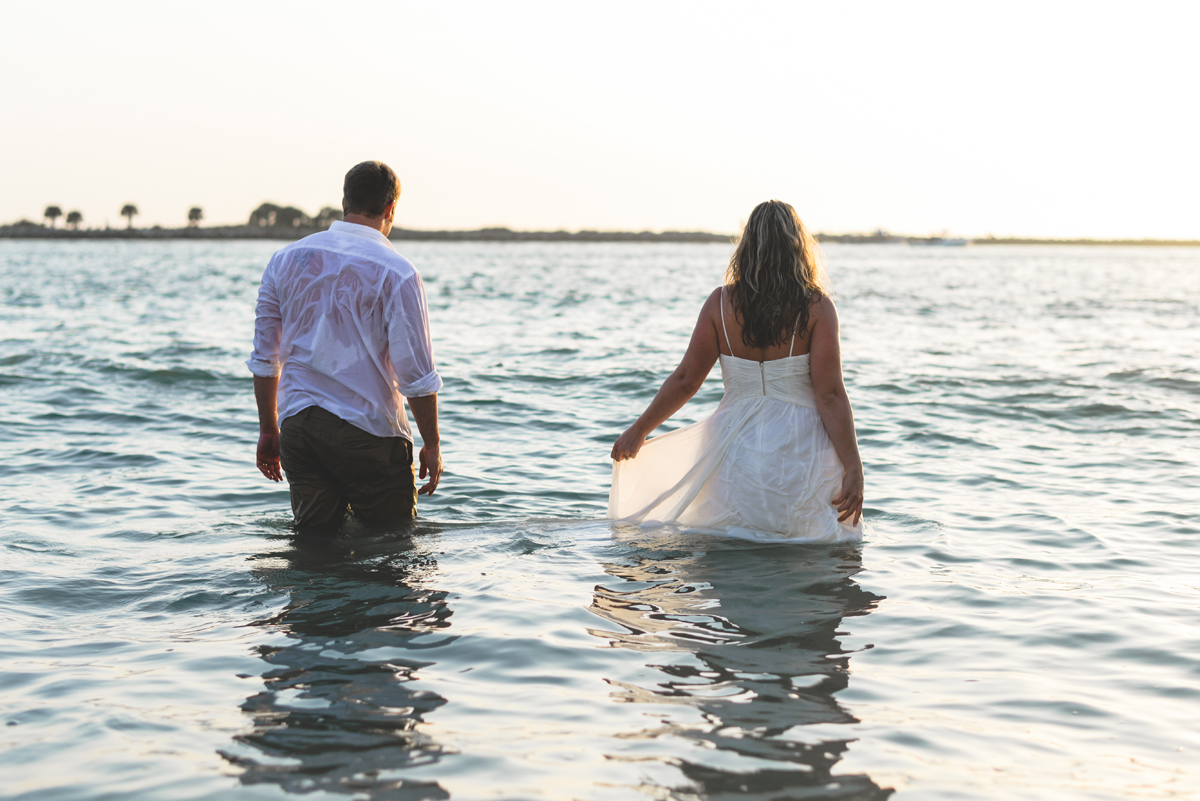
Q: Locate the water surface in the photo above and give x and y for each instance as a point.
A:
(1021, 621)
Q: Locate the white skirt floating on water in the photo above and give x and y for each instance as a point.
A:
(761, 467)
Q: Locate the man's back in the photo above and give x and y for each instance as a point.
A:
(350, 318)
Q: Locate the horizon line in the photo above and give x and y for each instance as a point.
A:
(27, 229)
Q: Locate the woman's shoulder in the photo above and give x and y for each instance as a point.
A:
(712, 303)
(822, 311)
(821, 303)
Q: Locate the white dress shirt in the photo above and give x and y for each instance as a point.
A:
(342, 320)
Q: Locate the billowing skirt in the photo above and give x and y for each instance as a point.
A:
(758, 468)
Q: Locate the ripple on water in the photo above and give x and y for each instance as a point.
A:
(1019, 621)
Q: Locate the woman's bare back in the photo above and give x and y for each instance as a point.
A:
(798, 346)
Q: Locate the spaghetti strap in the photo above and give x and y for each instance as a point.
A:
(793, 342)
(728, 344)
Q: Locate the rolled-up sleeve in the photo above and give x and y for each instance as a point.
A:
(409, 345)
(268, 327)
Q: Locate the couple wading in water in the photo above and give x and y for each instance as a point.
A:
(342, 338)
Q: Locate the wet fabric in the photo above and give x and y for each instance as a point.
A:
(342, 320)
(761, 467)
(331, 465)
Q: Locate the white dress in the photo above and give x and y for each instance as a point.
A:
(761, 467)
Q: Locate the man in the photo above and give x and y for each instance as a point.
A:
(341, 333)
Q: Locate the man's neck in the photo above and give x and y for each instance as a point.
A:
(381, 224)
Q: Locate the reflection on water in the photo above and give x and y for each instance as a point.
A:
(338, 712)
(759, 629)
(728, 661)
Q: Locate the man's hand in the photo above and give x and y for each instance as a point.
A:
(425, 412)
(268, 455)
(265, 389)
(431, 466)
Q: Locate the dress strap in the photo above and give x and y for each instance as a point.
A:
(793, 343)
(723, 326)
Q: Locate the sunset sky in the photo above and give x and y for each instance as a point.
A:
(1039, 119)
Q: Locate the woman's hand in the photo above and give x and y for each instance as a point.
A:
(628, 445)
(850, 500)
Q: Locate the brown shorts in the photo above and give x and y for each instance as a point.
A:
(331, 464)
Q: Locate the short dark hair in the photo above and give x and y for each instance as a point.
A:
(369, 188)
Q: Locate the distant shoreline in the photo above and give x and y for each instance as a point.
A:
(35, 231)
(397, 234)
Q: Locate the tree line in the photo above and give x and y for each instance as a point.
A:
(269, 215)
(266, 215)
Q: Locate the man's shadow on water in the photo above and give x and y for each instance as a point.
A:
(749, 639)
(337, 713)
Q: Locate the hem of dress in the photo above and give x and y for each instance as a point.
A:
(746, 534)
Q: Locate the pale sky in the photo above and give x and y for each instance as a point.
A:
(1039, 118)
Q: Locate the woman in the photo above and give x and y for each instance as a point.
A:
(778, 459)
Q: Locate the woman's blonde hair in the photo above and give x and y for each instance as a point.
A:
(775, 272)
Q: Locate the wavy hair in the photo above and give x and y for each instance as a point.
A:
(774, 273)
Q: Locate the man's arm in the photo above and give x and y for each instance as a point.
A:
(264, 363)
(268, 426)
(411, 352)
(425, 412)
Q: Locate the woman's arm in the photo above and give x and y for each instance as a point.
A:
(681, 385)
(825, 364)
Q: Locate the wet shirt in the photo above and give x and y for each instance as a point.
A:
(342, 320)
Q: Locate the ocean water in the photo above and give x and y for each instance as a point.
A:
(1022, 620)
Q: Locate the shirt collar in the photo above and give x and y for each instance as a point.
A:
(364, 231)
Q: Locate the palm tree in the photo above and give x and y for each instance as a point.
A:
(195, 215)
(129, 211)
(52, 213)
(74, 218)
